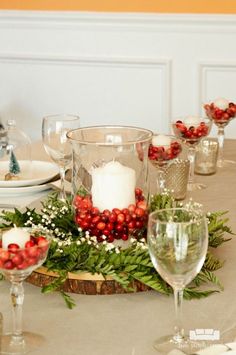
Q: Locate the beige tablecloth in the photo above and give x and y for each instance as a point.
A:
(128, 324)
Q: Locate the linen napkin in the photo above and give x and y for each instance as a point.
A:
(216, 349)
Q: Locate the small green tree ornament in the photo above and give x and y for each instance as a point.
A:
(14, 167)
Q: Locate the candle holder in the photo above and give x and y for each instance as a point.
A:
(221, 112)
(191, 130)
(206, 157)
(163, 150)
(22, 250)
(110, 181)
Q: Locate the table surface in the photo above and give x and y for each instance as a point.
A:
(128, 324)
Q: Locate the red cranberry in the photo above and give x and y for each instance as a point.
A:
(17, 259)
(29, 244)
(4, 255)
(101, 226)
(8, 265)
(13, 247)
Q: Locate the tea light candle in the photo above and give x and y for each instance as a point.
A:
(161, 141)
(113, 186)
(15, 235)
(221, 103)
(192, 121)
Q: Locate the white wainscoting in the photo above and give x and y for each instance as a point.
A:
(132, 69)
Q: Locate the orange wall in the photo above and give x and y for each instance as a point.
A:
(177, 6)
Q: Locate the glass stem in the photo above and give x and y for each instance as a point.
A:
(191, 158)
(221, 138)
(17, 298)
(178, 330)
(62, 195)
(160, 180)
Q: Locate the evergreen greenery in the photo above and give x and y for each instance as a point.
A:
(73, 250)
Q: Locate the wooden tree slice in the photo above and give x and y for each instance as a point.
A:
(84, 283)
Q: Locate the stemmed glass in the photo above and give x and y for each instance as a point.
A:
(17, 262)
(56, 144)
(162, 151)
(221, 112)
(177, 241)
(191, 130)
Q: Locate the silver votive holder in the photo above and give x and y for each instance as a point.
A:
(206, 157)
(176, 178)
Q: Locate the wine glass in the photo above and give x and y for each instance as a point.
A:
(191, 130)
(162, 151)
(56, 144)
(177, 242)
(22, 250)
(221, 112)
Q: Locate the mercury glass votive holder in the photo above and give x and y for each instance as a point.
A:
(206, 157)
(110, 181)
(176, 177)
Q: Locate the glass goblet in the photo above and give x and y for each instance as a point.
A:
(191, 130)
(162, 151)
(17, 262)
(56, 144)
(221, 112)
(177, 242)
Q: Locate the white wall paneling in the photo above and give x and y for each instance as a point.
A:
(134, 69)
(216, 80)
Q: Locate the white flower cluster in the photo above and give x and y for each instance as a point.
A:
(47, 222)
(141, 243)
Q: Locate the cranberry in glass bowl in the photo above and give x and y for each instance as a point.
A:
(162, 151)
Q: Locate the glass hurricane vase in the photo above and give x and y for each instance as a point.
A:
(110, 181)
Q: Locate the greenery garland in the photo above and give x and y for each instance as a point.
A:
(73, 250)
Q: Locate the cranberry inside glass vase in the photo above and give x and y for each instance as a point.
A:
(110, 181)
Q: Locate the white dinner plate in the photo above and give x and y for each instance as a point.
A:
(13, 191)
(41, 171)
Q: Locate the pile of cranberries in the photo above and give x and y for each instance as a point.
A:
(20, 259)
(190, 133)
(218, 114)
(159, 153)
(110, 225)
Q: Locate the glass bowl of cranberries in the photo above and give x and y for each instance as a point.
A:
(221, 112)
(162, 151)
(191, 130)
(22, 250)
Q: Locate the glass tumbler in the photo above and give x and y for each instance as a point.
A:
(206, 157)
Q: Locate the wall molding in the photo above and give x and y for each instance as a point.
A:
(134, 21)
(162, 65)
(204, 69)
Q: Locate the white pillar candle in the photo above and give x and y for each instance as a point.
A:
(161, 141)
(192, 121)
(15, 235)
(113, 186)
(221, 103)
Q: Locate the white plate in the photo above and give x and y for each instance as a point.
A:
(41, 171)
(13, 191)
